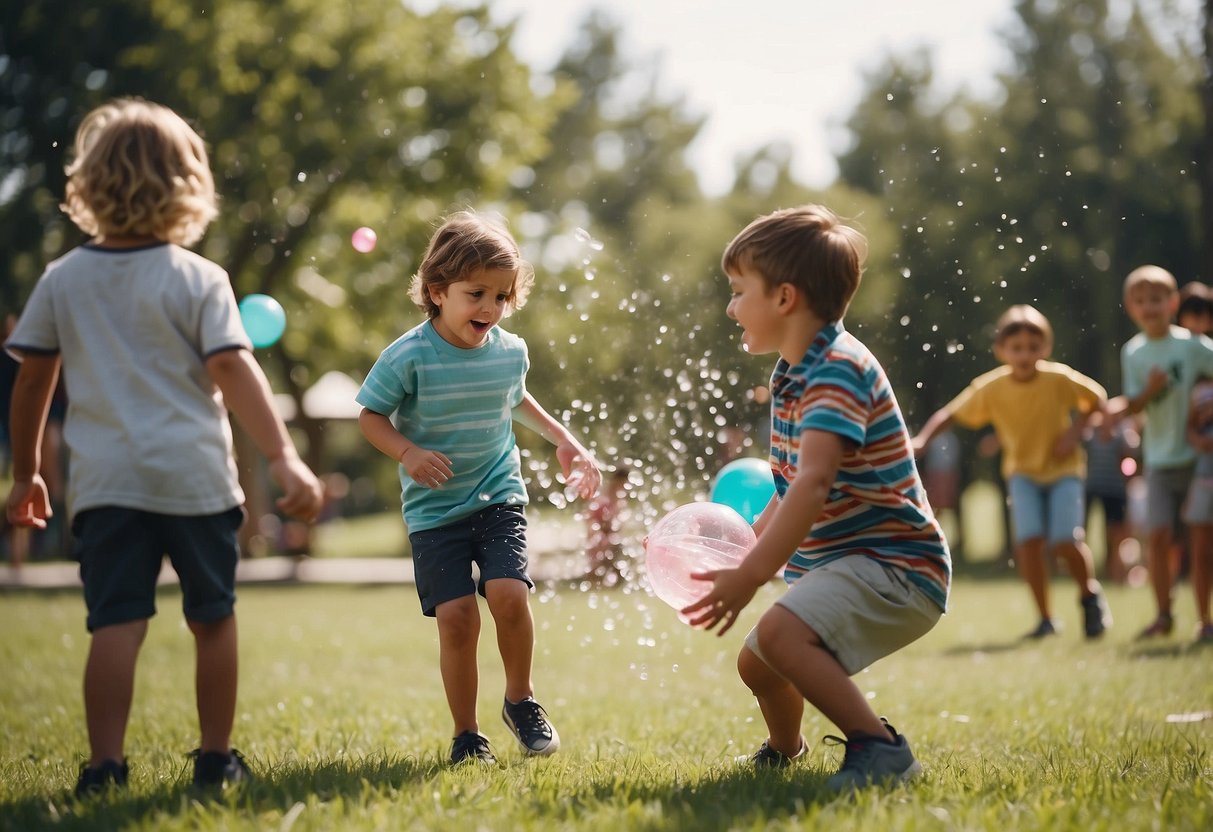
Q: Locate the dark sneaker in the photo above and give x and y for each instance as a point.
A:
(1045, 628)
(767, 757)
(1159, 628)
(472, 746)
(873, 761)
(1205, 634)
(1095, 615)
(93, 781)
(528, 722)
(215, 768)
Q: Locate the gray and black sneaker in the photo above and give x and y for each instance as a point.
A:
(1095, 615)
(528, 722)
(216, 768)
(94, 781)
(767, 757)
(471, 746)
(874, 761)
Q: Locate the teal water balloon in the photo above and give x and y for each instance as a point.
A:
(744, 485)
(264, 319)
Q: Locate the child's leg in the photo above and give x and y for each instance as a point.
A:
(782, 705)
(509, 603)
(1201, 536)
(1159, 563)
(1027, 500)
(1081, 565)
(1030, 558)
(458, 633)
(109, 683)
(797, 654)
(215, 675)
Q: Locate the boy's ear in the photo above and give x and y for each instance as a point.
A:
(786, 296)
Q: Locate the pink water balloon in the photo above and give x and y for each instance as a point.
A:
(364, 239)
(696, 537)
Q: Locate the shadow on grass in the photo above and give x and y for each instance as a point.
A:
(733, 798)
(279, 788)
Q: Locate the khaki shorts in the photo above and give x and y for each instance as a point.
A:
(861, 610)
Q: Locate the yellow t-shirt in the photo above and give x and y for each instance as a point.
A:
(1030, 416)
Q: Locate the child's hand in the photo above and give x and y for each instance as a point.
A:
(580, 469)
(428, 468)
(302, 494)
(1157, 381)
(29, 503)
(732, 589)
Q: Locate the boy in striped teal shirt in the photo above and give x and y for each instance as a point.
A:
(441, 401)
(867, 565)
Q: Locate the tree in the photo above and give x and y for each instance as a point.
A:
(319, 121)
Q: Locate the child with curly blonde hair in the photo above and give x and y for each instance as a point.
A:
(149, 340)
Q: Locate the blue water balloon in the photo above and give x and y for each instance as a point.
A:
(744, 485)
(264, 319)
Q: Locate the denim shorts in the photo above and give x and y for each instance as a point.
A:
(1061, 503)
(493, 538)
(121, 550)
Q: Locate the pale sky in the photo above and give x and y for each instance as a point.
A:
(780, 70)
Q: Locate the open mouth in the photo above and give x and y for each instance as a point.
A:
(481, 327)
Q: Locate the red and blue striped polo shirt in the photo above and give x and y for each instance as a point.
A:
(877, 507)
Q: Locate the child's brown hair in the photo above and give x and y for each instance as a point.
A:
(465, 242)
(139, 170)
(1023, 318)
(808, 247)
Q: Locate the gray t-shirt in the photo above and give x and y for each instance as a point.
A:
(146, 427)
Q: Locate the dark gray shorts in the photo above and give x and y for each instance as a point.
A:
(494, 539)
(121, 549)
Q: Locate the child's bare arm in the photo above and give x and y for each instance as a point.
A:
(580, 468)
(246, 392)
(940, 420)
(428, 468)
(28, 500)
(1156, 383)
(821, 453)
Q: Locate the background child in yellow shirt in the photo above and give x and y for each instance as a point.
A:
(1038, 409)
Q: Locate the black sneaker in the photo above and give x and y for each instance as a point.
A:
(215, 768)
(528, 722)
(1095, 615)
(93, 781)
(1045, 628)
(767, 757)
(472, 746)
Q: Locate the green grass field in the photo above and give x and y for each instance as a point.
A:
(342, 714)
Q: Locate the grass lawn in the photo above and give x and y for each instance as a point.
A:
(342, 715)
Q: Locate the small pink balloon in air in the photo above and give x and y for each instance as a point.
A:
(364, 239)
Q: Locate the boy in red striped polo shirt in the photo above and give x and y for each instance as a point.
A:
(867, 566)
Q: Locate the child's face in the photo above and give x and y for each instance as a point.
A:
(1020, 351)
(470, 308)
(1151, 307)
(755, 307)
(1200, 323)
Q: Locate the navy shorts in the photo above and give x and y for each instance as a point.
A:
(494, 539)
(121, 549)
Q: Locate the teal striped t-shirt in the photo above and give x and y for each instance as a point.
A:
(459, 402)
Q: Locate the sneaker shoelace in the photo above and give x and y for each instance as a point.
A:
(856, 752)
(528, 715)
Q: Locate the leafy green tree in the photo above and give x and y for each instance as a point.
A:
(319, 121)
